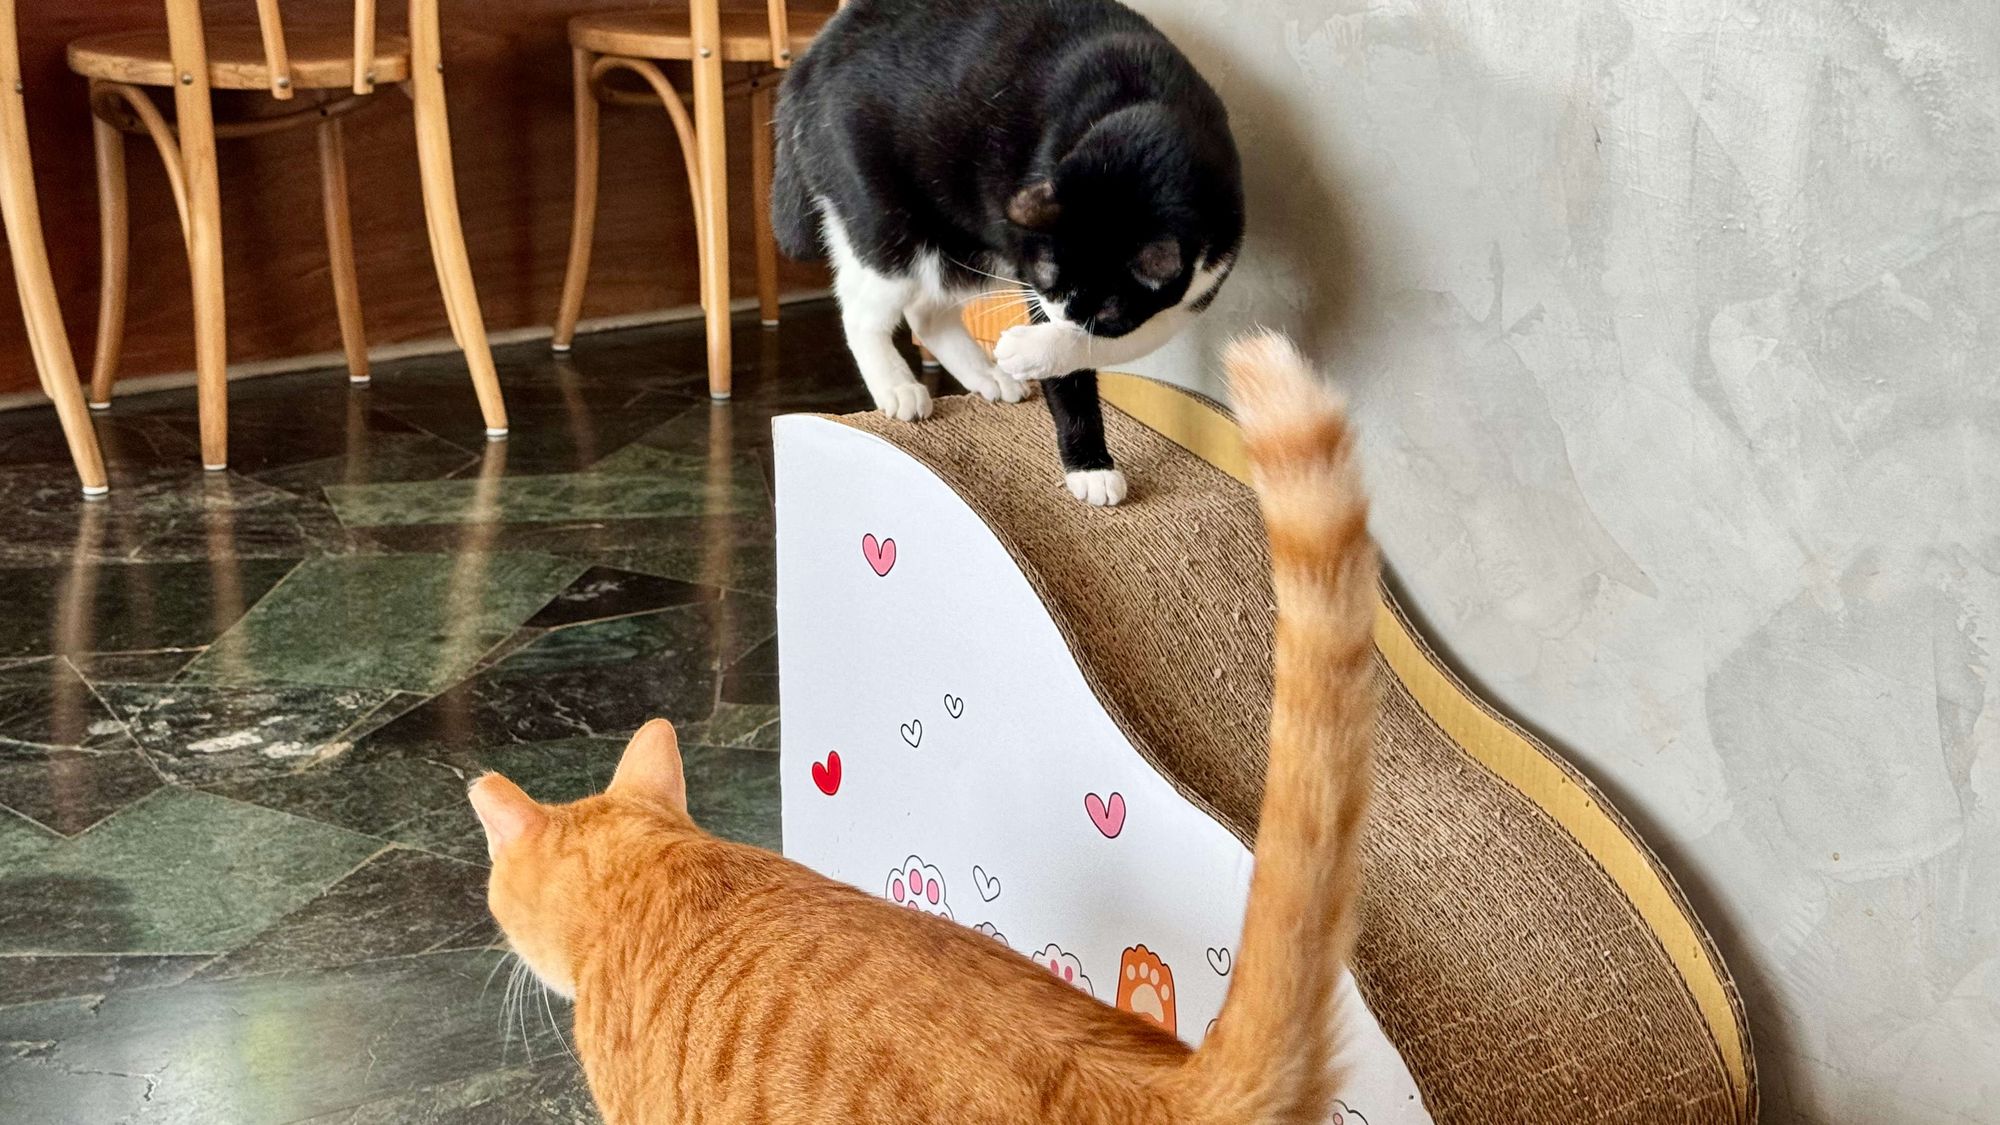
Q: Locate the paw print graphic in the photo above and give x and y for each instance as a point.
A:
(1146, 987)
(1066, 967)
(918, 886)
(992, 931)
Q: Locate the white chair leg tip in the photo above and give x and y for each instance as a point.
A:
(359, 380)
(718, 396)
(100, 407)
(559, 349)
(495, 435)
(96, 491)
(768, 323)
(223, 468)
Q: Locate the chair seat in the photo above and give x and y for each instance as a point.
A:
(655, 33)
(321, 58)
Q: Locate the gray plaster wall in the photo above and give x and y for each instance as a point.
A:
(1675, 329)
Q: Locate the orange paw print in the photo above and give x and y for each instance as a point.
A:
(1146, 987)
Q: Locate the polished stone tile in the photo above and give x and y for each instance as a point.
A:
(158, 514)
(320, 421)
(31, 437)
(68, 791)
(178, 872)
(553, 498)
(604, 592)
(552, 772)
(46, 704)
(554, 429)
(749, 725)
(344, 714)
(732, 792)
(753, 680)
(27, 978)
(270, 1048)
(21, 841)
(382, 457)
(153, 666)
(722, 473)
(736, 551)
(125, 607)
(401, 902)
(551, 1091)
(403, 622)
(376, 796)
(600, 679)
(201, 733)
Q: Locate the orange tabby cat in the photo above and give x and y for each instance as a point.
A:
(716, 982)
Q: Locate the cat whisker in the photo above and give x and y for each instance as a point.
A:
(549, 1012)
(498, 964)
(975, 269)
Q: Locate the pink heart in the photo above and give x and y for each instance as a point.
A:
(881, 555)
(1109, 818)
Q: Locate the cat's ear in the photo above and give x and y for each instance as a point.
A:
(1159, 263)
(651, 766)
(504, 811)
(1035, 206)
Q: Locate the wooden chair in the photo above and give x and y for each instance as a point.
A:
(21, 214)
(707, 37)
(344, 70)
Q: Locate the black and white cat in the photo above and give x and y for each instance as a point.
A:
(932, 147)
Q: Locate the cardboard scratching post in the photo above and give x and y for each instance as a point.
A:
(1047, 721)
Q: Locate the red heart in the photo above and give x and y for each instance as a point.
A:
(826, 774)
(881, 555)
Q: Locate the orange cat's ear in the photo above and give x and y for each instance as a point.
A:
(651, 766)
(504, 811)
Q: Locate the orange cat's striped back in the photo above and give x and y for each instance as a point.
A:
(720, 983)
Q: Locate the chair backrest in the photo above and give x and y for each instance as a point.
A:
(184, 17)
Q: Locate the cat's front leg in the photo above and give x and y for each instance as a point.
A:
(871, 309)
(1088, 470)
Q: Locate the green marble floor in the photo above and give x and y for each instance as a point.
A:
(239, 882)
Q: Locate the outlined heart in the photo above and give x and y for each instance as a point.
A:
(1108, 816)
(988, 885)
(881, 554)
(913, 732)
(1220, 961)
(826, 774)
(954, 705)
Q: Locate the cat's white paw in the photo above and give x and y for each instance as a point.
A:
(1004, 388)
(1100, 488)
(905, 402)
(1032, 352)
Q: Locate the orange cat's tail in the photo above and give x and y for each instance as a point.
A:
(1269, 1058)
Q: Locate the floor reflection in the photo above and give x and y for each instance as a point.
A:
(237, 712)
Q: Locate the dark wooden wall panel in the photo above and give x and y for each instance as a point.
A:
(507, 74)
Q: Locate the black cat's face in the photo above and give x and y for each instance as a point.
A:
(1097, 262)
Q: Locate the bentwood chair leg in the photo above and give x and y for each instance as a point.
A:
(340, 247)
(583, 223)
(113, 220)
(454, 265)
(54, 362)
(711, 137)
(763, 143)
(204, 233)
